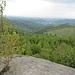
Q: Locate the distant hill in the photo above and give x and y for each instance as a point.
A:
(61, 30)
(45, 21)
(24, 25)
(61, 27)
(62, 21)
(50, 21)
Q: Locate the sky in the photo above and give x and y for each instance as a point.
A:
(41, 8)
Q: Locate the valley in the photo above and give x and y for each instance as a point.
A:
(62, 27)
(55, 43)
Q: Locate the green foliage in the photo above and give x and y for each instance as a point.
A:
(35, 49)
(9, 40)
(60, 30)
(25, 26)
(51, 47)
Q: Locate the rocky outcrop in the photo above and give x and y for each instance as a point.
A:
(2, 65)
(27, 65)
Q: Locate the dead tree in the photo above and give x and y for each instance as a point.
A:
(2, 7)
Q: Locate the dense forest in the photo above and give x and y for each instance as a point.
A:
(59, 49)
(25, 25)
(59, 29)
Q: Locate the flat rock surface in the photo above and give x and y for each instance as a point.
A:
(27, 65)
(2, 65)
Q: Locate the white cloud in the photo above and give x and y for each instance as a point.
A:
(39, 8)
(62, 1)
(23, 7)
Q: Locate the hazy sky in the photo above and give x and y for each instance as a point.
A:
(41, 8)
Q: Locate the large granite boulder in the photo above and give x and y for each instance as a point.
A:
(27, 65)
